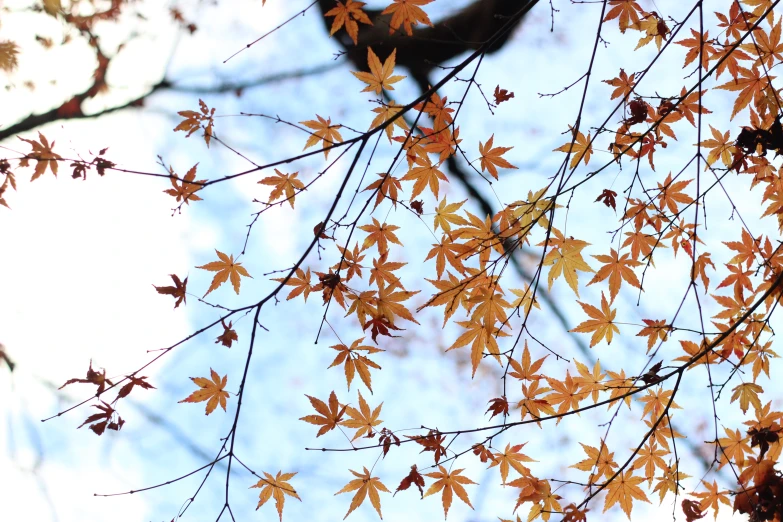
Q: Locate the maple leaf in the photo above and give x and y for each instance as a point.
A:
(301, 283)
(432, 441)
(446, 215)
(623, 85)
(407, 13)
(626, 11)
(325, 132)
(277, 487)
(283, 183)
(349, 14)
(481, 337)
(380, 234)
(386, 187)
(691, 510)
(386, 112)
(491, 157)
(712, 498)
(720, 147)
(590, 382)
(177, 291)
(211, 391)
(388, 303)
(616, 269)
(502, 95)
(386, 439)
(364, 485)
(650, 457)
(380, 326)
(100, 422)
(413, 478)
(751, 86)
(581, 149)
(498, 406)
(127, 388)
(747, 393)
(43, 155)
(607, 198)
(565, 393)
(362, 420)
(380, 76)
(226, 268)
(623, 490)
(565, 260)
(656, 329)
(186, 191)
(356, 363)
(193, 121)
(451, 482)
(329, 416)
(511, 458)
(425, 174)
(526, 370)
(601, 322)
(228, 336)
(599, 462)
(93, 377)
(698, 45)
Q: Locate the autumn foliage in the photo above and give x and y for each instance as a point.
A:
(494, 278)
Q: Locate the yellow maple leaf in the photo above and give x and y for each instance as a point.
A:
(721, 146)
(226, 268)
(380, 76)
(747, 393)
(511, 458)
(283, 183)
(424, 174)
(277, 487)
(600, 323)
(211, 391)
(581, 148)
(364, 485)
(348, 14)
(566, 260)
(623, 490)
(451, 482)
(325, 132)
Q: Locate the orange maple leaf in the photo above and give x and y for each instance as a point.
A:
(186, 191)
(193, 121)
(380, 76)
(362, 420)
(211, 391)
(348, 14)
(451, 482)
(581, 148)
(283, 183)
(325, 132)
(491, 157)
(407, 13)
(600, 323)
(364, 485)
(277, 487)
(329, 416)
(623, 490)
(354, 362)
(226, 268)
